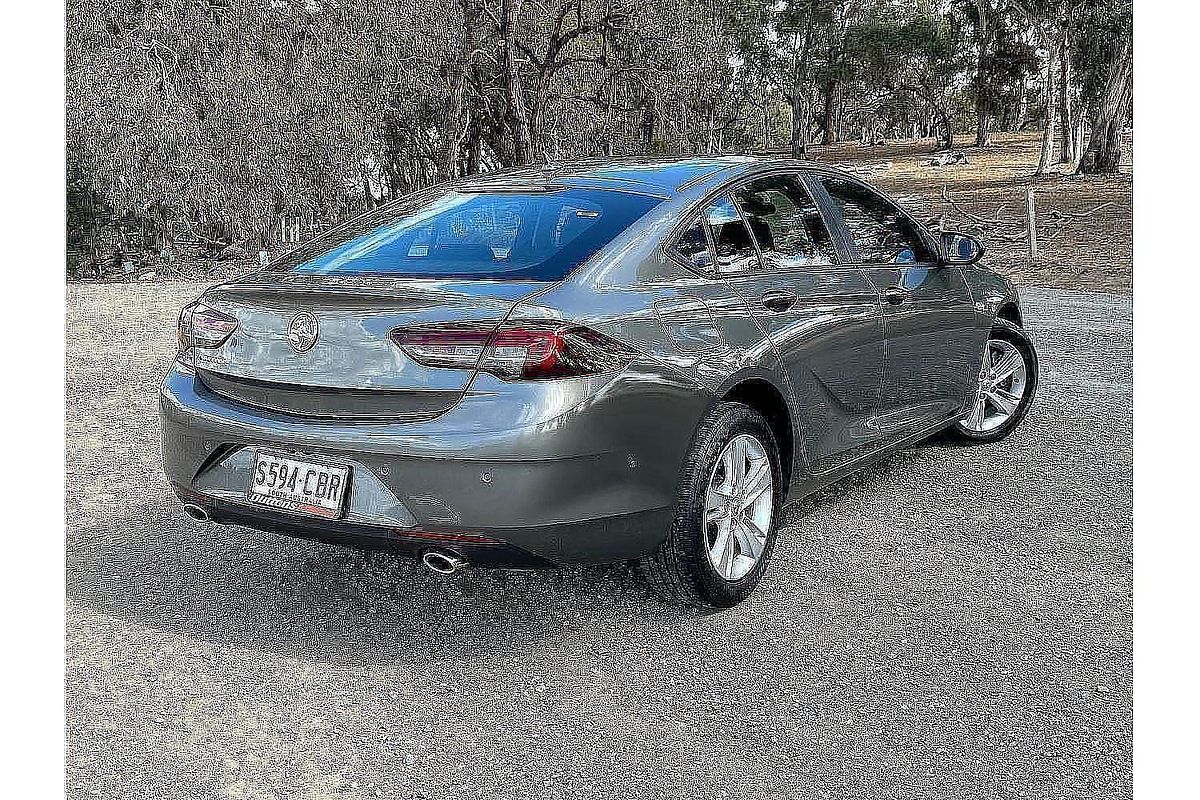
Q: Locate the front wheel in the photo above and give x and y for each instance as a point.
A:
(1008, 380)
(723, 533)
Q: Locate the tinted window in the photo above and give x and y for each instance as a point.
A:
(882, 233)
(534, 235)
(735, 249)
(786, 223)
(693, 247)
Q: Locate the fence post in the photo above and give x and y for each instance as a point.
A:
(1031, 223)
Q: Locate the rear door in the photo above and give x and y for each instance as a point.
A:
(773, 247)
(928, 309)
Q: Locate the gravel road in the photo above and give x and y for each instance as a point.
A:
(952, 623)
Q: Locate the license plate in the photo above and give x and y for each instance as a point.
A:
(299, 485)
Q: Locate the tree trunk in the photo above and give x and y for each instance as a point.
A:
(649, 122)
(537, 115)
(1103, 154)
(766, 118)
(474, 149)
(828, 129)
(456, 110)
(982, 100)
(797, 143)
(1022, 106)
(765, 67)
(369, 200)
(1048, 126)
(1066, 116)
(609, 127)
(799, 140)
(514, 94)
(947, 127)
(983, 124)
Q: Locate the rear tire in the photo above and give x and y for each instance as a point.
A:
(727, 513)
(1007, 383)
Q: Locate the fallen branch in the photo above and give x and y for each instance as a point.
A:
(1065, 215)
(998, 227)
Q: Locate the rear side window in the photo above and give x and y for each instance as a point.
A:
(692, 247)
(735, 249)
(882, 233)
(786, 223)
(501, 235)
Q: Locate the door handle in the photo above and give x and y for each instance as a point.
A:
(778, 300)
(895, 295)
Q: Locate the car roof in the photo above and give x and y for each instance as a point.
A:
(659, 177)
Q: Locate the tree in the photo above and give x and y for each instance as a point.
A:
(1108, 84)
(1001, 59)
(223, 116)
(984, 20)
(834, 67)
(213, 119)
(1042, 16)
(914, 51)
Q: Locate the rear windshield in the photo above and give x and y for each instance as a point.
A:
(505, 235)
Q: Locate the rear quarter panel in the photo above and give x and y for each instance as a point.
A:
(694, 337)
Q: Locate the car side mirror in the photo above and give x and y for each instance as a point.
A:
(959, 249)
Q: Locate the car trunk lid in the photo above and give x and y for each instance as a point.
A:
(351, 368)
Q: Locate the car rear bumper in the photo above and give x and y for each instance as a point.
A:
(522, 548)
(592, 485)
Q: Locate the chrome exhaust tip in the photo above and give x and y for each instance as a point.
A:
(441, 562)
(196, 512)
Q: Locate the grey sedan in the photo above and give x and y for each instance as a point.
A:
(595, 362)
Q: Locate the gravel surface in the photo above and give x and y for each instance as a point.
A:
(955, 622)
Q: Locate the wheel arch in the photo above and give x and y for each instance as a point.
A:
(765, 398)
(1010, 312)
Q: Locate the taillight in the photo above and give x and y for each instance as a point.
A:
(516, 351)
(201, 326)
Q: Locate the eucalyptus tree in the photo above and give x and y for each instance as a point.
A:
(834, 65)
(223, 115)
(1106, 62)
(1003, 60)
(1046, 19)
(914, 50)
(228, 114)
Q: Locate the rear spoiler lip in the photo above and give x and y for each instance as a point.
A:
(430, 290)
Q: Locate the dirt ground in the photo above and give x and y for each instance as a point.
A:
(955, 622)
(1093, 252)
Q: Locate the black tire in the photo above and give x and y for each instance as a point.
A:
(680, 571)
(1008, 332)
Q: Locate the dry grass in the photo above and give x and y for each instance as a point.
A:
(1094, 253)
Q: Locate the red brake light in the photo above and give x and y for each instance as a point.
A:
(210, 328)
(201, 326)
(516, 351)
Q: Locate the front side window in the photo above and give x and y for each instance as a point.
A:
(735, 249)
(499, 235)
(882, 233)
(786, 223)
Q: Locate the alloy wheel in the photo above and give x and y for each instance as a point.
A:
(739, 507)
(1002, 384)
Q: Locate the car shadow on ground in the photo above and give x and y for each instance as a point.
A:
(239, 587)
(234, 586)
